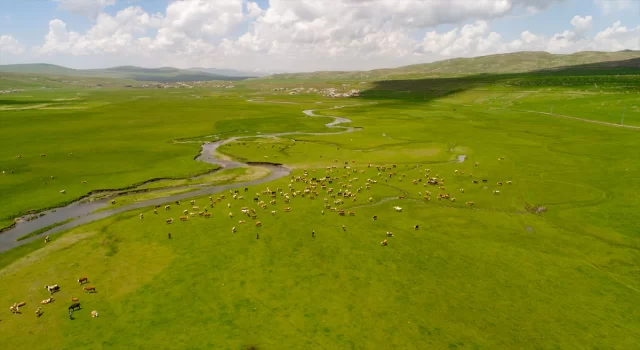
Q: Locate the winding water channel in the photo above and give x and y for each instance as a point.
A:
(83, 211)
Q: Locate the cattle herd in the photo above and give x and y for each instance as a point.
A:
(337, 185)
(53, 289)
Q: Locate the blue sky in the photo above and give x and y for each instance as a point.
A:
(304, 34)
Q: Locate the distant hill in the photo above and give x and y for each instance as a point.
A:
(164, 74)
(519, 62)
(228, 72)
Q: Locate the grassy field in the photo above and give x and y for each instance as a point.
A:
(116, 139)
(489, 275)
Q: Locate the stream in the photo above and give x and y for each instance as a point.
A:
(83, 211)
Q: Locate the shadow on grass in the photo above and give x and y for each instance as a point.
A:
(21, 102)
(423, 90)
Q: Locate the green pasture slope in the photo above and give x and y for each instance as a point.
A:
(492, 275)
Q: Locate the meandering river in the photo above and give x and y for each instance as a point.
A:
(83, 211)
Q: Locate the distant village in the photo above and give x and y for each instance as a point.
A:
(13, 91)
(327, 92)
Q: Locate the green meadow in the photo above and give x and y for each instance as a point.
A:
(550, 262)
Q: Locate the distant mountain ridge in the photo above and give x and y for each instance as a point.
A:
(162, 74)
(228, 72)
(519, 62)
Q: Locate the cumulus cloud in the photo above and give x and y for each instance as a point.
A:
(581, 24)
(314, 35)
(10, 45)
(253, 10)
(89, 8)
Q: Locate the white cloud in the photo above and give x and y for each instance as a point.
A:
(10, 45)
(89, 8)
(581, 24)
(253, 10)
(471, 39)
(618, 37)
(197, 18)
(316, 35)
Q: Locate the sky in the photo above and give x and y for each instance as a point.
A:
(304, 35)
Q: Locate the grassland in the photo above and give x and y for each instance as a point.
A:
(490, 275)
(579, 64)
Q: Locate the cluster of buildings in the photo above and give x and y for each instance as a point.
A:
(13, 91)
(328, 92)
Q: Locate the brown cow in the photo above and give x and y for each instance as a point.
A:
(82, 280)
(90, 289)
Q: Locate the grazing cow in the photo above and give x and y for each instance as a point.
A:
(94, 313)
(416, 227)
(469, 203)
(207, 215)
(63, 191)
(83, 280)
(193, 202)
(352, 213)
(375, 217)
(400, 197)
(370, 199)
(177, 202)
(233, 229)
(184, 218)
(344, 228)
(74, 306)
(500, 183)
(322, 211)
(389, 234)
(75, 299)
(113, 202)
(141, 216)
(90, 289)
(496, 192)
(47, 239)
(241, 222)
(384, 242)
(14, 309)
(287, 209)
(155, 211)
(168, 221)
(474, 181)
(228, 205)
(42, 155)
(167, 207)
(230, 215)
(39, 312)
(185, 212)
(258, 224)
(195, 207)
(246, 189)
(46, 301)
(52, 289)
(84, 182)
(509, 182)
(273, 212)
(398, 209)
(484, 180)
(462, 190)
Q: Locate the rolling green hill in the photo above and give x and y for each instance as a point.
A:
(163, 74)
(519, 62)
